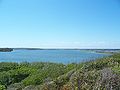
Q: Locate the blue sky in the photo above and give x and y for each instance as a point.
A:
(60, 23)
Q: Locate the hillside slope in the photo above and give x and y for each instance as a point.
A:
(101, 74)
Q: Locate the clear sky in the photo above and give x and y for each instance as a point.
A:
(60, 23)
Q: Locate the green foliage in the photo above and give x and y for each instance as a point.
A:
(15, 76)
(49, 70)
(2, 87)
(15, 86)
(8, 66)
(52, 76)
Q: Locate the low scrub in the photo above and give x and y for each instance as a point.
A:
(101, 74)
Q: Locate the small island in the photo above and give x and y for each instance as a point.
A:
(6, 49)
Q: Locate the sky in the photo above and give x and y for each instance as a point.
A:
(60, 23)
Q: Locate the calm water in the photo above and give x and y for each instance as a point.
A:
(58, 56)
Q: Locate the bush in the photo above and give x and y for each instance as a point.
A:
(8, 66)
(2, 87)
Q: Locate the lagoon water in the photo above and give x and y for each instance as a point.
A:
(56, 56)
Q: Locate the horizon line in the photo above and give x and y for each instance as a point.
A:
(54, 48)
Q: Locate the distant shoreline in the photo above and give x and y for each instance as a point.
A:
(107, 51)
(60, 49)
(6, 49)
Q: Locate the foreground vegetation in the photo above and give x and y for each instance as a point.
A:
(101, 74)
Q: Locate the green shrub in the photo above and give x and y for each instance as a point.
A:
(8, 66)
(2, 87)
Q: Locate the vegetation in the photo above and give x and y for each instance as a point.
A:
(6, 49)
(101, 74)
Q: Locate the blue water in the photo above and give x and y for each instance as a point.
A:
(57, 56)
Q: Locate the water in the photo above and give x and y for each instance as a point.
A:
(57, 56)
